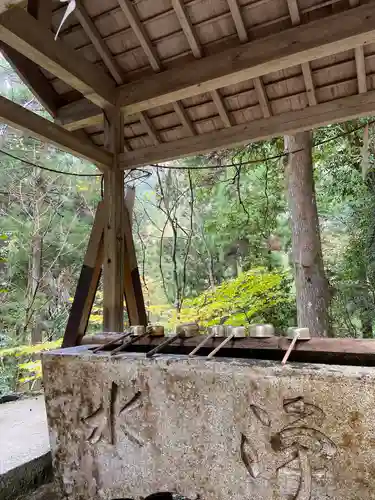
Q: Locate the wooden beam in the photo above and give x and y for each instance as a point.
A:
(184, 118)
(306, 70)
(243, 36)
(79, 114)
(149, 127)
(287, 123)
(132, 282)
(309, 84)
(187, 28)
(196, 49)
(6, 5)
(291, 47)
(238, 20)
(27, 70)
(87, 283)
(22, 32)
(224, 115)
(101, 47)
(294, 12)
(361, 69)
(140, 32)
(113, 268)
(20, 118)
(33, 78)
(360, 60)
(262, 97)
(41, 10)
(345, 351)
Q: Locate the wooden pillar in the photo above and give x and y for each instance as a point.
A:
(113, 268)
(132, 282)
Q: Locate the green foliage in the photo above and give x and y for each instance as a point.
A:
(28, 350)
(21, 366)
(253, 296)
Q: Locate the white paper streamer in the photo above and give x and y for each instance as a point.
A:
(71, 6)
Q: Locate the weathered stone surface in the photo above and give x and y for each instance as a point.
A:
(126, 427)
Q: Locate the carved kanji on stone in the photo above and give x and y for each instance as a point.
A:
(101, 424)
(298, 441)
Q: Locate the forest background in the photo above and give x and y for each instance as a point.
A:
(212, 235)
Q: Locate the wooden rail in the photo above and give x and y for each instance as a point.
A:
(343, 351)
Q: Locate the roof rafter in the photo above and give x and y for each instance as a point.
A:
(149, 127)
(224, 115)
(196, 48)
(336, 33)
(244, 37)
(20, 118)
(22, 32)
(93, 33)
(292, 47)
(184, 118)
(6, 5)
(131, 15)
(27, 70)
(33, 78)
(187, 28)
(326, 113)
(306, 69)
(360, 60)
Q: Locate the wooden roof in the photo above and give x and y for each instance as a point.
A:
(194, 75)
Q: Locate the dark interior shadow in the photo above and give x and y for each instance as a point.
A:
(165, 495)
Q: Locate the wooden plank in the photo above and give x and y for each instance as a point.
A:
(140, 32)
(20, 118)
(183, 117)
(338, 110)
(132, 282)
(243, 36)
(294, 12)
(288, 48)
(238, 20)
(262, 97)
(306, 70)
(196, 49)
(22, 32)
(6, 5)
(27, 70)
(149, 128)
(87, 283)
(113, 268)
(359, 60)
(187, 28)
(309, 84)
(344, 351)
(224, 115)
(93, 33)
(361, 69)
(33, 78)
(79, 114)
(41, 10)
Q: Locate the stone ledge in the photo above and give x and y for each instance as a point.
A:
(26, 477)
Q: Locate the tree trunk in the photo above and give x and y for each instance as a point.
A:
(35, 269)
(35, 277)
(312, 290)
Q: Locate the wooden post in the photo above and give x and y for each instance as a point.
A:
(113, 268)
(87, 283)
(132, 282)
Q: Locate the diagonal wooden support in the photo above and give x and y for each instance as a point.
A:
(132, 282)
(87, 283)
